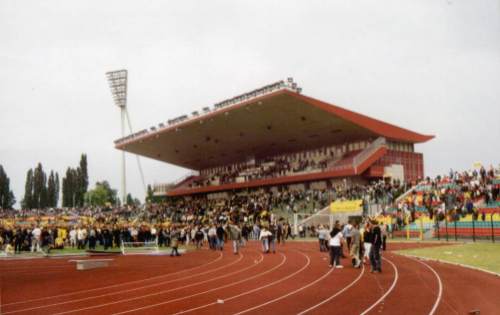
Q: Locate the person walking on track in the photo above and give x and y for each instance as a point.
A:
(174, 242)
(264, 238)
(375, 259)
(235, 236)
(355, 245)
(335, 242)
(367, 243)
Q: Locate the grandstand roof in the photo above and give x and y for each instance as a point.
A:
(279, 122)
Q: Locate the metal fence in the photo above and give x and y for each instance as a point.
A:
(485, 229)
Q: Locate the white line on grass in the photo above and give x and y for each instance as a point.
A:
(450, 263)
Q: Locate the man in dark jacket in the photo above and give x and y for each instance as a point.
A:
(220, 237)
(375, 259)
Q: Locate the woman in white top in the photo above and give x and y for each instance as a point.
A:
(335, 242)
(264, 237)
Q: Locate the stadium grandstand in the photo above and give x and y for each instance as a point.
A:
(258, 161)
(275, 137)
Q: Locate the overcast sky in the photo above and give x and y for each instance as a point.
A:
(432, 66)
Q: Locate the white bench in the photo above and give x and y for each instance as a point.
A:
(86, 264)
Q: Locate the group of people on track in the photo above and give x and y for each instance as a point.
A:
(362, 246)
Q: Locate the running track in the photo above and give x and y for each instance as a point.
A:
(295, 280)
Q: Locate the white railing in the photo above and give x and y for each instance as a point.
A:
(160, 189)
(408, 192)
(183, 178)
(367, 152)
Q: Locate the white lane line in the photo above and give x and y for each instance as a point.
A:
(440, 290)
(211, 290)
(254, 290)
(286, 295)
(450, 263)
(125, 290)
(161, 292)
(388, 291)
(336, 294)
(114, 285)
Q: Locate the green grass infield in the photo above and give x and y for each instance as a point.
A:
(485, 256)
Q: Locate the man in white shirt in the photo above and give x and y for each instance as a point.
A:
(72, 237)
(212, 236)
(37, 239)
(81, 236)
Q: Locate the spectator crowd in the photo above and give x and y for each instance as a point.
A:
(260, 214)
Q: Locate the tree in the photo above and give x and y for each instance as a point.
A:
(150, 194)
(55, 198)
(7, 199)
(75, 184)
(132, 201)
(69, 188)
(27, 202)
(40, 195)
(53, 190)
(102, 195)
(83, 180)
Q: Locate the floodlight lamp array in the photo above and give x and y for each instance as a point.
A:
(118, 84)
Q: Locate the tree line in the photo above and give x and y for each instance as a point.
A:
(75, 184)
(42, 191)
(7, 199)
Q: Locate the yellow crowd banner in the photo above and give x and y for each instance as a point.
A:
(346, 206)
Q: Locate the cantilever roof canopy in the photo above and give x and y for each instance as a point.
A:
(277, 123)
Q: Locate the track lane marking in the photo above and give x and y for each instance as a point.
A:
(113, 285)
(211, 290)
(163, 291)
(336, 294)
(388, 291)
(286, 295)
(440, 284)
(124, 291)
(253, 290)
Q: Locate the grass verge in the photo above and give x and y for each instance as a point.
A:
(478, 255)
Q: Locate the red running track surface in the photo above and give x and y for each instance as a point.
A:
(295, 280)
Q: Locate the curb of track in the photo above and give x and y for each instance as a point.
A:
(450, 263)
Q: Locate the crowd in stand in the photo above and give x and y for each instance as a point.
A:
(456, 194)
(271, 167)
(47, 229)
(185, 220)
(265, 170)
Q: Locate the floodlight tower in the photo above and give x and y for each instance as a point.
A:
(118, 84)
